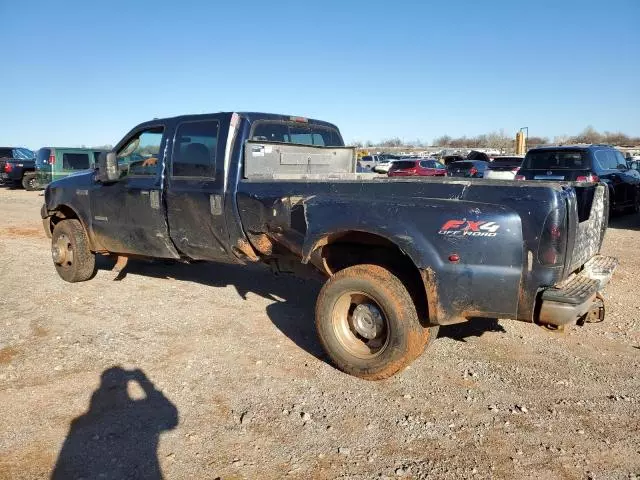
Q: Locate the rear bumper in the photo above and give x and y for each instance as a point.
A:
(573, 299)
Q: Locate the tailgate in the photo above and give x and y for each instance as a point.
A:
(592, 207)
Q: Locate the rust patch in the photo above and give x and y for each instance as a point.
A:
(7, 354)
(262, 243)
(18, 232)
(431, 289)
(243, 247)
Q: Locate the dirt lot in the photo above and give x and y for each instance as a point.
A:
(221, 376)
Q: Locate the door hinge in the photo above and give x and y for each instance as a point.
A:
(215, 202)
(154, 198)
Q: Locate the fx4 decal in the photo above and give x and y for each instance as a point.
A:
(469, 228)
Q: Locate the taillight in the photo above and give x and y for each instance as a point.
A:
(52, 159)
(588, 178)
(520, 177)
(515, 169)
(553, 239)
(7, 167)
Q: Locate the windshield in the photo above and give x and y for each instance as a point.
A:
(23, 154)
(295, 132)
(556, 159)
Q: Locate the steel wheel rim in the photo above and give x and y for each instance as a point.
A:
(360, 325)
(62, 251)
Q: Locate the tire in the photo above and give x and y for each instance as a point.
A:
(389, 313)
(29, 181)
(635, 208)
(70, 252)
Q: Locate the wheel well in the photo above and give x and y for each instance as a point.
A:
(62, 212)
(342, 250)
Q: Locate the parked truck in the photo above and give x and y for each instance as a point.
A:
(401, 256)
(17, 167)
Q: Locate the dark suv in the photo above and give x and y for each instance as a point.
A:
(586, 163)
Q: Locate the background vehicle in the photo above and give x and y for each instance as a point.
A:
(17, 167)
(503, 168)
(432, 251)
(467, 168)
(586, 163)
(383, 166)
(447, 159)
(53, 163)
(417, 167)
(369, 161)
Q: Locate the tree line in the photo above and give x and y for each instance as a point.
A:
(499, 140)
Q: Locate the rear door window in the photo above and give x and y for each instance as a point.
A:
(606, 160)
(194, 153)
(75, 161)
(556, 159)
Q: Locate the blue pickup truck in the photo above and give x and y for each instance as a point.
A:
(400, 256)
(17, 167)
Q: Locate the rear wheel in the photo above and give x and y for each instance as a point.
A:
(29, 181)
(367, 322)
(70, 252)
(636, 204)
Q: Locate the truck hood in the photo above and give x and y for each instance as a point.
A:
(81, 178)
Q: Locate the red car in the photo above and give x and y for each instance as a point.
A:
(417, 168)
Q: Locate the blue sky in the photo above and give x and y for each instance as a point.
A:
(86, 72)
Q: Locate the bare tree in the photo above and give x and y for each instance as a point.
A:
(443, 141)
(533, 141)
(392, 142)
(588, 135)
(499, 141)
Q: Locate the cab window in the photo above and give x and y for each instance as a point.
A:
(141, 154)
(75, 161)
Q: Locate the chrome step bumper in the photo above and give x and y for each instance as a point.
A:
(572, 300)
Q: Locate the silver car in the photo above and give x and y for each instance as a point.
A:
(503, 168)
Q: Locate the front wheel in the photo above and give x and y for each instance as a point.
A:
(367, 322)
(70, 252)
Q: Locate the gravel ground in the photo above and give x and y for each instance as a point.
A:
(209, 371)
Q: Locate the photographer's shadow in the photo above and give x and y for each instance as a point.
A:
(118, 436)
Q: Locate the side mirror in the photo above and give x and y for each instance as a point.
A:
(108, 167)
